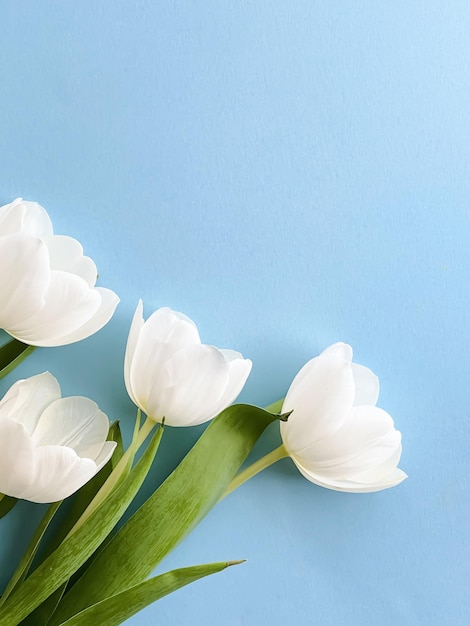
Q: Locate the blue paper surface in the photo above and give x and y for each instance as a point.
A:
(288, 174)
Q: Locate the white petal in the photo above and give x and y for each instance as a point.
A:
(69, 304)
(168, 326)
(16, 458)
(362, 428)
(105, 454)
(238, 371)
(109, 302)
(75, 422)
(393, 479)
(29, 218)
(320, 397)
(24, 279)
(66, 254)
(27, 399)
(365, 450)
(196, 378)
(160, 337)
(136, 327)
(376, 456)
(59, 472)
(339, 350)
(230, 355)
(11, 217)
(379, 471)
(36, 221)
(367, 385)
(148, 376)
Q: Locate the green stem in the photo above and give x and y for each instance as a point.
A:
(12, 354)
(258, 466)
(146, 429)
(119, 472)
(263, 463)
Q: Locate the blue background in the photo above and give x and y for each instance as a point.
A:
(288, 174)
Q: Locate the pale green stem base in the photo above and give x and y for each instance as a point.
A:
(146, 429)
(258, 466)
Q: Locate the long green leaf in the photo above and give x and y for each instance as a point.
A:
(116, 435)
(78, 547)
(43, 613)
(116, 609)
(12, 354)
(6, 504)
(172, 511)
(25, 563)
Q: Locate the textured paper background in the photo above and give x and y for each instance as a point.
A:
(289, 174)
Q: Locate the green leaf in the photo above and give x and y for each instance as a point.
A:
(79, 546)
(25, 563)
(116, 609)
(12, 354)
(170, 514)
(116, 435)
(42, 614)
(6, 504)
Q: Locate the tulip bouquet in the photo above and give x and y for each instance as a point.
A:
(77, 569)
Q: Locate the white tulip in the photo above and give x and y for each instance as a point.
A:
(47, 287)
(336, 435)
(49, 446)
(169, 374)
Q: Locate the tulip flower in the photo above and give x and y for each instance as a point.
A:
(169, 374)
(47, 287)
(336, 435)
(49, 446)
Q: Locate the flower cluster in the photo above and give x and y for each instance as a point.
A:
(50, 447)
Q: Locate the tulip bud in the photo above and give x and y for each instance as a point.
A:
(169, 374)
